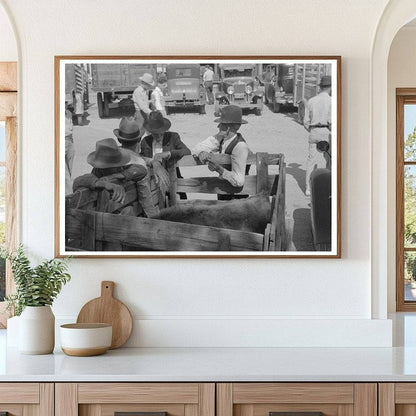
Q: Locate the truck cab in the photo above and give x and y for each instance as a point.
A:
(184, 88)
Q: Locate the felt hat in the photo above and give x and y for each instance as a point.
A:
(156, 123)
(325, 81)
(129, 129)
(108, 155)
(147, 79)
(231, 114)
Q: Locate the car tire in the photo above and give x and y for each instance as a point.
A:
(100, 104)
(202, 109)
(257, 111)
(106, 109)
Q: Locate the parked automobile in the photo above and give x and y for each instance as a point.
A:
(239, 86)
(184, 89)
(294, 84)
(115, 84)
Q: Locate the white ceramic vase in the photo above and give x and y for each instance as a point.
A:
(37, 330)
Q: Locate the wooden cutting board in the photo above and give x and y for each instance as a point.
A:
(107, 309)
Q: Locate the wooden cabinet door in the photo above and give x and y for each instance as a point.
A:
(27, 399)
(397, 399)
(152, 399)
(297, 399)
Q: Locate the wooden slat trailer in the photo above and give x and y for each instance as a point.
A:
(94, 223)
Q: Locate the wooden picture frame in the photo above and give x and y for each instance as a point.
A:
(272, 93)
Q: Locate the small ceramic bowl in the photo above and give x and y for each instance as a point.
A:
(84, 340)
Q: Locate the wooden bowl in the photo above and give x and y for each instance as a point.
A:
(85, 340)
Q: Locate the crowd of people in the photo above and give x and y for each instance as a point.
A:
(143, 143)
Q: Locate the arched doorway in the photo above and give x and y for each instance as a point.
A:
(396, 14)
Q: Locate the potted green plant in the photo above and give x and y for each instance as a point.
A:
(36, 289)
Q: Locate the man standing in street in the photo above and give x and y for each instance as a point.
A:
(208, 78)
(141, 98)
(226, 141)
(317, 121)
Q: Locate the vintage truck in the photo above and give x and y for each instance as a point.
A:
(92, 224)
(184, 88)
(293, 84)
(115, 84)
(77, 90)
(239, 86)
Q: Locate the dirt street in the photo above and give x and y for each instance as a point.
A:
(270, 132)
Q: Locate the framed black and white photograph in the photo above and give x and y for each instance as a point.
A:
(198, 156)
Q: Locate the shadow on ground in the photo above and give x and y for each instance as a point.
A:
(298, 174)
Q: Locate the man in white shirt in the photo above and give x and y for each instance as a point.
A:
(141, 98)
(317, 121)
(208, 78)
(158, 102)
(226, 141)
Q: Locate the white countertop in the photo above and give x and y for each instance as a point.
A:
(213, 364)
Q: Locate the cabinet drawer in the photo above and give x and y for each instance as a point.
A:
(296, 399)
(153, 399)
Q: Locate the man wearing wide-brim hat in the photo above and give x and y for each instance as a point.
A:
(226, 141)
(112, 167)
(162, 145)
(129, 134)
(317, 121)
(141, 97)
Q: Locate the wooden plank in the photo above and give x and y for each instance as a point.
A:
(170, 409)
(8, 76)
(27, 393)
(47, 399)
(66, 399)
(262, 184)
(173, 183)
(365, 395)
(138, 393)
(386, 399)
(88, 231)
(8, 105)
(224, 399)
(293, 393)
(215, 185)
(160, 234)
(223, 159)
(266, 239)
(207, 399)
(405, 393)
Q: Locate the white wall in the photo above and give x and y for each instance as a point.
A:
(8, 46)
(401, 74)
(179, 302)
